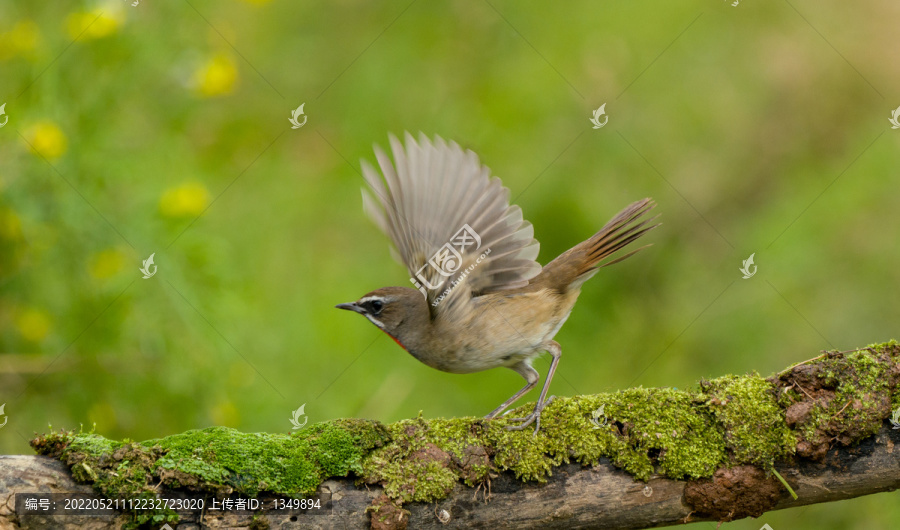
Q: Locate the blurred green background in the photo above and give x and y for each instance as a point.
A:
(163, 128)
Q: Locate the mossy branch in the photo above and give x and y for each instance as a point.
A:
(636, 458)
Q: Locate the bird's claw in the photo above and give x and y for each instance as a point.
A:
(534, 417)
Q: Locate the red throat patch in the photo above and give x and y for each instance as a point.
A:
(397, 341)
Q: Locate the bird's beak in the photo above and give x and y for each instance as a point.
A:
(352, 306)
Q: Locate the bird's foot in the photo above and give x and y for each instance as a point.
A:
(534, 417)
(495, 412)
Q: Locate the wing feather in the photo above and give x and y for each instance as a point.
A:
(426, 197)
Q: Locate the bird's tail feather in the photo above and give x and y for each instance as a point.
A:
(577, 265)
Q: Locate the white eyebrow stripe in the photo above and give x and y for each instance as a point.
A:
(369, 299)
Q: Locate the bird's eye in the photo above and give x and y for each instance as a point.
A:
(377, 306)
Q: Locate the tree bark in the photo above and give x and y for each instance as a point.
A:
(574, 497)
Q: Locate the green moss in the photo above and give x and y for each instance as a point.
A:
(427, 458)
(93, 444)
(751, 419)
(664, 422)
(892, 349)
(291, 465)
(217, 459)
(853, 393)
(680, 434)
(118, 470)
(642, 430)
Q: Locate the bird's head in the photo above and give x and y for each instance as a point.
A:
(401, 312)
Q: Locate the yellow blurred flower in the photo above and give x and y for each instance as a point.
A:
(47, 139)
(33, 324)
(95, 24)
(107, 263)
(226, 414)
(217, 77)
(188, 199)
(10, 225)
(22, 39)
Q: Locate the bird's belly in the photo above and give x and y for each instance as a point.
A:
(511, 329)
(480, 354)
(467, 362)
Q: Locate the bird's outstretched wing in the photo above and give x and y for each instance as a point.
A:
(450, 221)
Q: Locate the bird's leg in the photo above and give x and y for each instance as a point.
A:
(531, 376)
(535, 417)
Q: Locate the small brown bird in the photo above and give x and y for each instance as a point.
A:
(481, 300)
